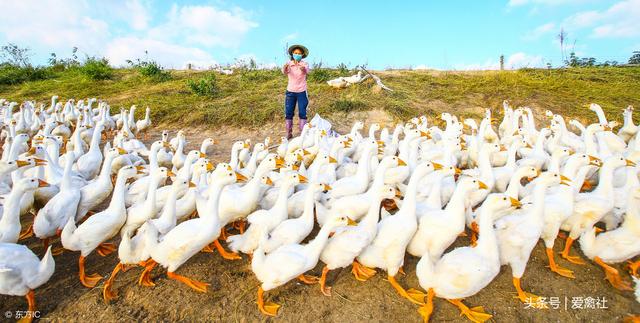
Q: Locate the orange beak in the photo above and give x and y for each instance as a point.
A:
(42, 183)
(240, 178)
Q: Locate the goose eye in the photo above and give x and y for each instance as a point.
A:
(504, 198)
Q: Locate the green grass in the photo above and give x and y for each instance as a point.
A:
(253, 97)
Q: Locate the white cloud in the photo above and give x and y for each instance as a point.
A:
(205, 26)
(51, 25)
(290, 37)
(169, 55)
(539, 31)
(184, 34)
(514, 61)
(620, 20)
(139, 16)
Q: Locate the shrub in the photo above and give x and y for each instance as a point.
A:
(13, 74)
(342, 68)
(150, 69)
(321, 74)
(96, 68)
(205, 86)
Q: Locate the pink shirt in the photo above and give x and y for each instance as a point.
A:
(297, 77)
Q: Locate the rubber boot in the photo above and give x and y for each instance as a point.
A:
(289, 126)
(301, 124)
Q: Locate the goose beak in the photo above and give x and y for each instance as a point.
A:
(565, 180)
(515, 203)
(299, 158)
(327, 187)
(436, 166)
(482, 186)
(209, 167)
(22, 163)
(246, 145)
(40, 162)
(269, 181)
(121, 151)
(42, 183)
(528, 145)
(171, 174)
(192, 184)
(398, 193)
(240, 178)
(139, 170)
(332, 160)
(424, 134)
(631, 163)
(571, 152)
(503, 148)
(401, 162)
(303, 179)
(347, 144)
(279, 162)
(32, 151)
(295, 167)
(305, 152)
(457, 171)
(202, 155)
(350, 222)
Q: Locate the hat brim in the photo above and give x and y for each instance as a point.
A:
(305, 51)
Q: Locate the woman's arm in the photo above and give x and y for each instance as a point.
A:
(285, 68)
(304, 66)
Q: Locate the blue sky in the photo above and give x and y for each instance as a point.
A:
(408, 34)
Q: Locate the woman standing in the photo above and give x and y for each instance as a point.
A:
(296, 69)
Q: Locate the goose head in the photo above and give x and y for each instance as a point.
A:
(319, 187)
(450, 171)
(266, 180)
(617, 161)
(496, 202)
(30, 184)
(337, 222)
(224, 175)
(551, 178)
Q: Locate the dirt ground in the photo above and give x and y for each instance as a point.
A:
(232, 294)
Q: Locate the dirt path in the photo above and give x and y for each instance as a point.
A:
(232, 294)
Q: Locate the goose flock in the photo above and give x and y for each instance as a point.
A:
(83, 178)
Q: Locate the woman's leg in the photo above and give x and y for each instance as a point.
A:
(303, 101)
(289, 107)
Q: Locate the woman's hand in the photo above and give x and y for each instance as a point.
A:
(302, 68)
(285, 68)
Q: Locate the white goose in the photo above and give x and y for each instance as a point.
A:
(97, 229)
(21, 272)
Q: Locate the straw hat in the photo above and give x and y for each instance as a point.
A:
(305, 51)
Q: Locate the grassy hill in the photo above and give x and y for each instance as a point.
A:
(253, 97)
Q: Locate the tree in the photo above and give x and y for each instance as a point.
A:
(15, 55)
(635, 58)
